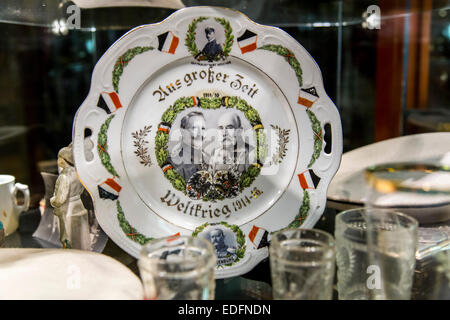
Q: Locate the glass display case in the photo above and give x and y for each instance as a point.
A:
(386, 80)
(384, 63)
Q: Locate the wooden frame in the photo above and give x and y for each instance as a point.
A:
(390, 85)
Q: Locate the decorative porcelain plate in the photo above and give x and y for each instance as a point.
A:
(207, 124)
(349, 188)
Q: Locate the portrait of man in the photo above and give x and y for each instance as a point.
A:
(231, 152)
(190, 156)
(211, 49)
(217, 238)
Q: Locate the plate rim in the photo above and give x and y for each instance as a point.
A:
(337, 147)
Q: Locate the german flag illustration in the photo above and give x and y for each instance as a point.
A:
(109, 101)
(109, 189)
(308, 179)
(168, 42)
(307, 96)
(259, 237)
(247, 42)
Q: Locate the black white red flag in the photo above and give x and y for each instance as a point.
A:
(109, 101)
(247, 42)
(168, 42)
(109, 189)
(259, 237)
(307, 96)
(308, 179)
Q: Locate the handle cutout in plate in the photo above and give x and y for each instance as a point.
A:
(328, 138)
(88, 145)
(87, 132)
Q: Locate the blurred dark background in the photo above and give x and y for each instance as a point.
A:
(386, 82)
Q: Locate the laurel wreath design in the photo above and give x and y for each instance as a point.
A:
(123, 61)
(302, 214)
(129, 231)
(200, 229)
(295, 65)
(162, 137)
(190, 36)
(283, 140)
(290, 58)
(318, 137)
(140, 144)
(102, 147)
(240, 239)
(169, 116)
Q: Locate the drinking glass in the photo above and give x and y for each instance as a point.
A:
(302, 264)
(178, 268)
(420, 189)
(375, 254)
(442, 286)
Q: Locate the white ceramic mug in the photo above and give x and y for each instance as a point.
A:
(9, 207)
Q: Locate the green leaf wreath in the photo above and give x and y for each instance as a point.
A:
(295, 64)
(200, 229)
(240, 239)
(168, 117)
(123, 61)
(302, 213)
(102, 147)
(190, 36)
(289, 56)
(129, 231)
(229, 38)
(318, 136)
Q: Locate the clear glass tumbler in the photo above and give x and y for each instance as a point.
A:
(442, 286)
(420, 189)
(178, 268)
(375, 254)
(302, 264)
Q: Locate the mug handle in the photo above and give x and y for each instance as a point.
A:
(26, 193)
